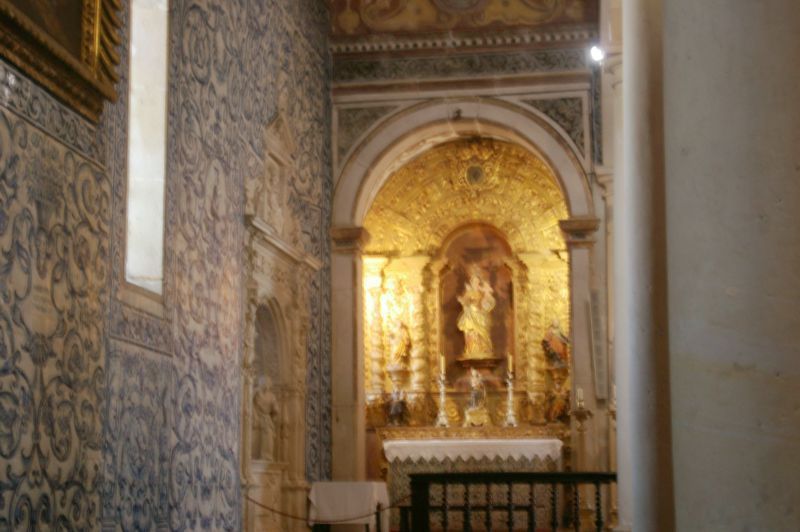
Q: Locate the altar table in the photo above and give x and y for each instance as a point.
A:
(330, 502)
(469, 455)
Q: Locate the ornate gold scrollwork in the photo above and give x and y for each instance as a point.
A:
(473, 181)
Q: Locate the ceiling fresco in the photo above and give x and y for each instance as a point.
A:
(354, 18)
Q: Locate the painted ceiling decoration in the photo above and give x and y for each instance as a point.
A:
(354, 18)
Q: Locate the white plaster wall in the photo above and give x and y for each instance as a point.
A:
(733, 216)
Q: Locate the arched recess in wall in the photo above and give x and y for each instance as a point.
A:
(269, 363)
(396, 141)
(269, 353)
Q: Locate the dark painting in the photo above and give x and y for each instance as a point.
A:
(59, 19)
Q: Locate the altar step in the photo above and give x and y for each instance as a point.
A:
(530, 502)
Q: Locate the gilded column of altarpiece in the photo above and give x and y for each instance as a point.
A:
(477, 205)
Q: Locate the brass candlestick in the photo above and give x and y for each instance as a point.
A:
(441, 417)
(511, 418)
(581, 415)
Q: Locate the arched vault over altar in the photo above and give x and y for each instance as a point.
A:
(462, 181)
(399, 139)
(412, 131)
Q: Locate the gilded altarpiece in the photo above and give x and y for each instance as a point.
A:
(475, 207)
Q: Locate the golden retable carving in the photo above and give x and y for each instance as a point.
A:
(496, 182)
(412, 222)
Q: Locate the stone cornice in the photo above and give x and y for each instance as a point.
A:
(349, 238)
(579, 230)
(463, 42)
(267, 238)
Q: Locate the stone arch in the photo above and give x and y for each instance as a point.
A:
(404, 135)
(398, 139)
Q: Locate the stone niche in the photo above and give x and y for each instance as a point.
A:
(276, 329)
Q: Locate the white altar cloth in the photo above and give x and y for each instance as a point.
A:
(331, 502)
(478, 449)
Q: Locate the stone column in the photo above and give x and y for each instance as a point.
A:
(349, 424)
(732, 142)
(579, 235)
(611, 42)
(642, 361)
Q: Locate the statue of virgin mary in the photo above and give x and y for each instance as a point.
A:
(475, 320)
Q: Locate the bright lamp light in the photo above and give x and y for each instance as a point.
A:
(597, 54)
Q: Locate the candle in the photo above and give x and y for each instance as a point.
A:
(614, 393)
(510, 363)
(441, 363)
(579, 395)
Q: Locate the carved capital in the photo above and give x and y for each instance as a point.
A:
(349, 239)
(604, 175)
(612, 65)
(579, 231)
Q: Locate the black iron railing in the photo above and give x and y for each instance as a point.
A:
(507, 501)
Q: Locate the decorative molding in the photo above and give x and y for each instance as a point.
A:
(349, 239)
(579, 231)
(463, 42)
(129, 324)
(596, 115)
(357, 69)
(29, 101)
(265, 235)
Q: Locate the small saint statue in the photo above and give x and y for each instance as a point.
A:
(397, 407)
(476, 414)
(556, 345)
(397, 337)
(475, 320)
(265, 419)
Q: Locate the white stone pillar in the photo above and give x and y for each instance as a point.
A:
(349, 420)
(642, 360)
(732, 136)
(612, 69)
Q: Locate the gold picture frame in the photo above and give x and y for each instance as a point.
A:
(68, 46)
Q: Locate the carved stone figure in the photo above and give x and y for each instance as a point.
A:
(475, 320)
(265, 420)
